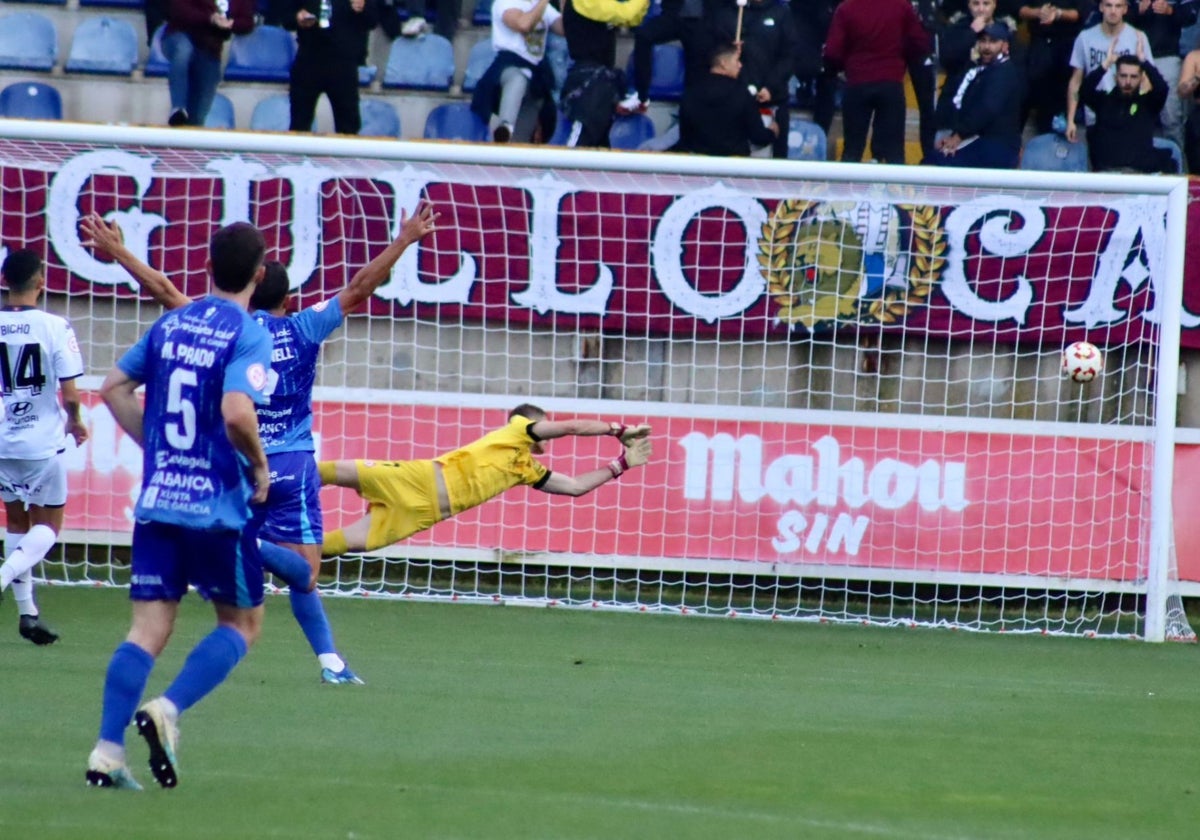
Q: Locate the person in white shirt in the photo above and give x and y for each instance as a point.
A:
(39, 356)
(519, 75)
(1092, 46)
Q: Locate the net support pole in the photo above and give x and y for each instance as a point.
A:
(1165, 403)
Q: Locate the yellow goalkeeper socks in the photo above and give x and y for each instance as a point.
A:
(334, 543)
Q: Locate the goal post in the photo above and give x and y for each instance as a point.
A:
(853, 371)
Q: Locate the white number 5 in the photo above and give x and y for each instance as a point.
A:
(181, 434)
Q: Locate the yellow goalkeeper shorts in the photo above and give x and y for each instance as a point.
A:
(401, 498)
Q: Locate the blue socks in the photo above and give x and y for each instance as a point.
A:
(128, 671)
(206, 667)
(310, 615)
(286, 565)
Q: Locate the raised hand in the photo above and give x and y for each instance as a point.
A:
(632, 433)
(637, 452)
(99, 234)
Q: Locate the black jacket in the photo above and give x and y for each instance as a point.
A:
(1162, 31)
(1123, 134)
(345, 39)
(718, 116)
(958, 39)
(989, 107)
(769, 50)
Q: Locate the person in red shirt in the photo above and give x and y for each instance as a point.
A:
(871, 41)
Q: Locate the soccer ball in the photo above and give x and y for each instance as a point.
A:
(1082, 361)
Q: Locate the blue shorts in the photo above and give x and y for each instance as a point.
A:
(224, 566)
(292, 513)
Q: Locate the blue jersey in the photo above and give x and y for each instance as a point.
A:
(286, 425)
(189, 359)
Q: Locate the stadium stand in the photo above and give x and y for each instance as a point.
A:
(264, 55)
(478, 61)
(31, 100)
(455, 121)
(220, 115)
(424, 63)
(666, 79)
(806, 140)
(103, 45)
(28, 41)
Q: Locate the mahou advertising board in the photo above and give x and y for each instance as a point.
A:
(776, 496)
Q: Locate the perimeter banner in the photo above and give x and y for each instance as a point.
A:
(641, 254)
(760, 493)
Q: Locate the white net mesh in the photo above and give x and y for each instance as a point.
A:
(855, 387)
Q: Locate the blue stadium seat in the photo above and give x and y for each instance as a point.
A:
(103, 45)
(1176, 154)
(220, 115)
(424, 63)
(666, 79)
(119, 4)
(367, 74)
(629, 132)
(31, 100)
(264, 55)
(482, 16)
(478, 61)
(28, 41)
(455, 121)
(272, 114)
(379, 119)
(156, 61)
(806, 140)
(42, 2)
(1054, 153)
(562, 131)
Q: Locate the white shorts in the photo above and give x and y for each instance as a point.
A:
(42, 482)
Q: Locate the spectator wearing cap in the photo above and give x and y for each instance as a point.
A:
(1163, 21)
(1122, 137)
(957, 47)
(872, 42)
(980, 113)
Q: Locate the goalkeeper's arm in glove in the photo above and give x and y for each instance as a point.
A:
(636, 453)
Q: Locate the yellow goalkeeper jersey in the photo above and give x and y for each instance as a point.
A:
(487, 467)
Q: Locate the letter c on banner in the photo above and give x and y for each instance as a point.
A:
(668, 249)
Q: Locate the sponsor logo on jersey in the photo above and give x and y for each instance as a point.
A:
(20, 409)
(320, 307)
(257, 375)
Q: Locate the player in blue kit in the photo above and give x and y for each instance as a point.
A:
(291, 519)
(205, 367)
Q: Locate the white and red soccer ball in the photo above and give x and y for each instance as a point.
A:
(1082, 361)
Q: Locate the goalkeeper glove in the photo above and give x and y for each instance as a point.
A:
(636, 453)
(628, 433)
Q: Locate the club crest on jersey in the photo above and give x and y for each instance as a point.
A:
(208, 313)
(257, 376)
(320, 307)
(850, 262)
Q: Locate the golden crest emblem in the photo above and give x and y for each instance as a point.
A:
(860, 262)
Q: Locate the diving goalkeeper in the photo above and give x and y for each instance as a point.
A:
(405, 497)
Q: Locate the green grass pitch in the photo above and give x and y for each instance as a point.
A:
(488, 722)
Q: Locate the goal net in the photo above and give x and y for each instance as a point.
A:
(853, 372)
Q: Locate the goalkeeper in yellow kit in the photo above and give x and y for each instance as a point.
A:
(405, 497)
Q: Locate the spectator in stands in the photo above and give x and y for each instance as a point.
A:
(594, 84)
(767, 49)
(1127, 114)
(1111, 35)
(1004, 8)
(958, 46)
(1053, 26)
(518, 75)
(331, 43)
(872, 40)
(980, 110)
(812, 19)
(1163, 21)
(685, 21)
(718, 115)
(1189, 89)
(445, 25)
(922, 75)
(192, 42)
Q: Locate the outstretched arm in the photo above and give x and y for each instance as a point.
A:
(118, 394)
(637, 453)
(107, 237)
(371, 276)
(550, 429)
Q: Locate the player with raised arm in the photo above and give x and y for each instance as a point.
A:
(39, 357)
(205, 367)
(405, 497)
(291, 518)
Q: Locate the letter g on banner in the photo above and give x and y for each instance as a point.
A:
(668, 251)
